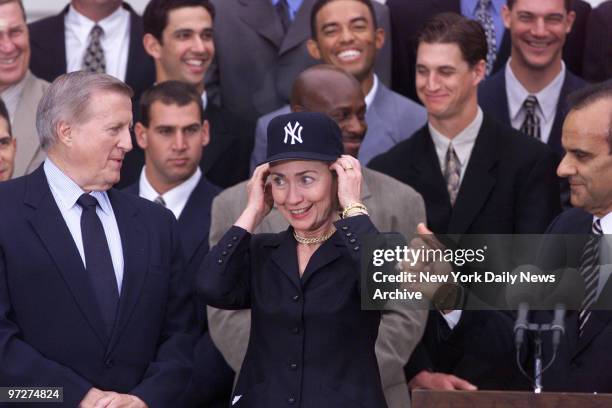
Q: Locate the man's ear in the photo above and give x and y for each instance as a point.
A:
(379, 38)
(151, 46)
(205, 133)
(313, 49)
(141, 135)
(479, 71)
(506, 14)
(64, 133)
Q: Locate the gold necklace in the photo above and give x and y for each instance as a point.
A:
(314, 240)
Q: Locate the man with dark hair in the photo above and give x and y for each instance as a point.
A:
(97, 36)
(393, 206)
(263, 50)
(529, 93)
(583, 359)
(8, 145)
(172, 133)
(476, 176)
(93, 293)
(179, 38)
(407, 18)
(19, 89)
(346, 35)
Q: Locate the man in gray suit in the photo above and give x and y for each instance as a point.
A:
(393, 206)
(261, 49)
(344, 34)
(19, 89)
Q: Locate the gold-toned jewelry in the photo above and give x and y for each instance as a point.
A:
(314, 240)
(356, 211)
(349, 167)
(351, 207)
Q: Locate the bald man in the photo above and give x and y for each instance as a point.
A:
(393, 206)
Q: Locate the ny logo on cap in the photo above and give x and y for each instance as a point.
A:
(290, 132)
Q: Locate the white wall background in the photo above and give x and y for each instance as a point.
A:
(36, 9)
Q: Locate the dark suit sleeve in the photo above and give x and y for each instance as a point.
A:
(224, 279)
(166, 377)
(538, 195)
(21, 365)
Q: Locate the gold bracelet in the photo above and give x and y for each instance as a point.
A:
(349, 208)
(356, 211)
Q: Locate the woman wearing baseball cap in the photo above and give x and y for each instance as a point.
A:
(311, 345)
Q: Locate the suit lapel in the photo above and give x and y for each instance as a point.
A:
(195, 220)
(477, 182)
(381, 128)
(55, 45)
(28, 143)
(220, 138)
(327, 253)
(261, 17)
(285, 257)
(135, 255)
(500, 97)
(48, 223)
(597, 322)
(570, 84)
(299, 30)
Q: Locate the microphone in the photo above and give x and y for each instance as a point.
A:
(558, 326)
(520, 325)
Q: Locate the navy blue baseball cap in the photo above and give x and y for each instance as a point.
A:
(303, 136)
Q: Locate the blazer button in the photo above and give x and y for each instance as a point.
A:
(348, 234)
(344, 228)
(293, 366)
(230, 245)
(291, 400)
(352, 240)
(219, 261)
(224, 253)
(296, 297)
(295, 330)
(356, 248)
(234, 238)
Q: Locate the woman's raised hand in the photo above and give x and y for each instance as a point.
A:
(348, 170)
(259, 199)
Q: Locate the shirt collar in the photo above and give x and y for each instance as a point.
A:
(204, 100)
(547, 97)
(369, 98)
(462, 143)
(175, 198)
(606, 223)
(113, 25)
(67, 192)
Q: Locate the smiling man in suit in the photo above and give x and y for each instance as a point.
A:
(477, 176)
(19, 89)
(8, 145)
(345, 34)
(179, 37)
(408, 16)
(62, 43)
(262, 47)
(529, 93)
(172, 133)
(93, 295)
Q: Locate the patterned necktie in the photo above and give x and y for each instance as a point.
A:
(93, 60)
(483, 16)
(452, 174)
(589, 270)
(531, 124)
(282, 9)
(98, 261)
(160, 200)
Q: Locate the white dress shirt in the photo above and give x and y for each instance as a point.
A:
(11, 97)
(605, 255)
(115, 40)
(548, 99)
(369, 98)
(176, 198)
(463, 143)
(66, 193)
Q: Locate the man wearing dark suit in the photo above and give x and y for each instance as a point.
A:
(259, 59)
(172, 133)
(583, 357)
(476, 176)
(408, 16)
(598, 50)
(179, 37)
(540, 74)
(391, 117)
(7, 145)
(93, 296)
(59, 42)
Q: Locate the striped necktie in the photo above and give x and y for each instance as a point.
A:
(589, 270)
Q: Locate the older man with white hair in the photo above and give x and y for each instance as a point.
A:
(91, 281)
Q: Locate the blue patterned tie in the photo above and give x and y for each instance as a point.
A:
(483, 16)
